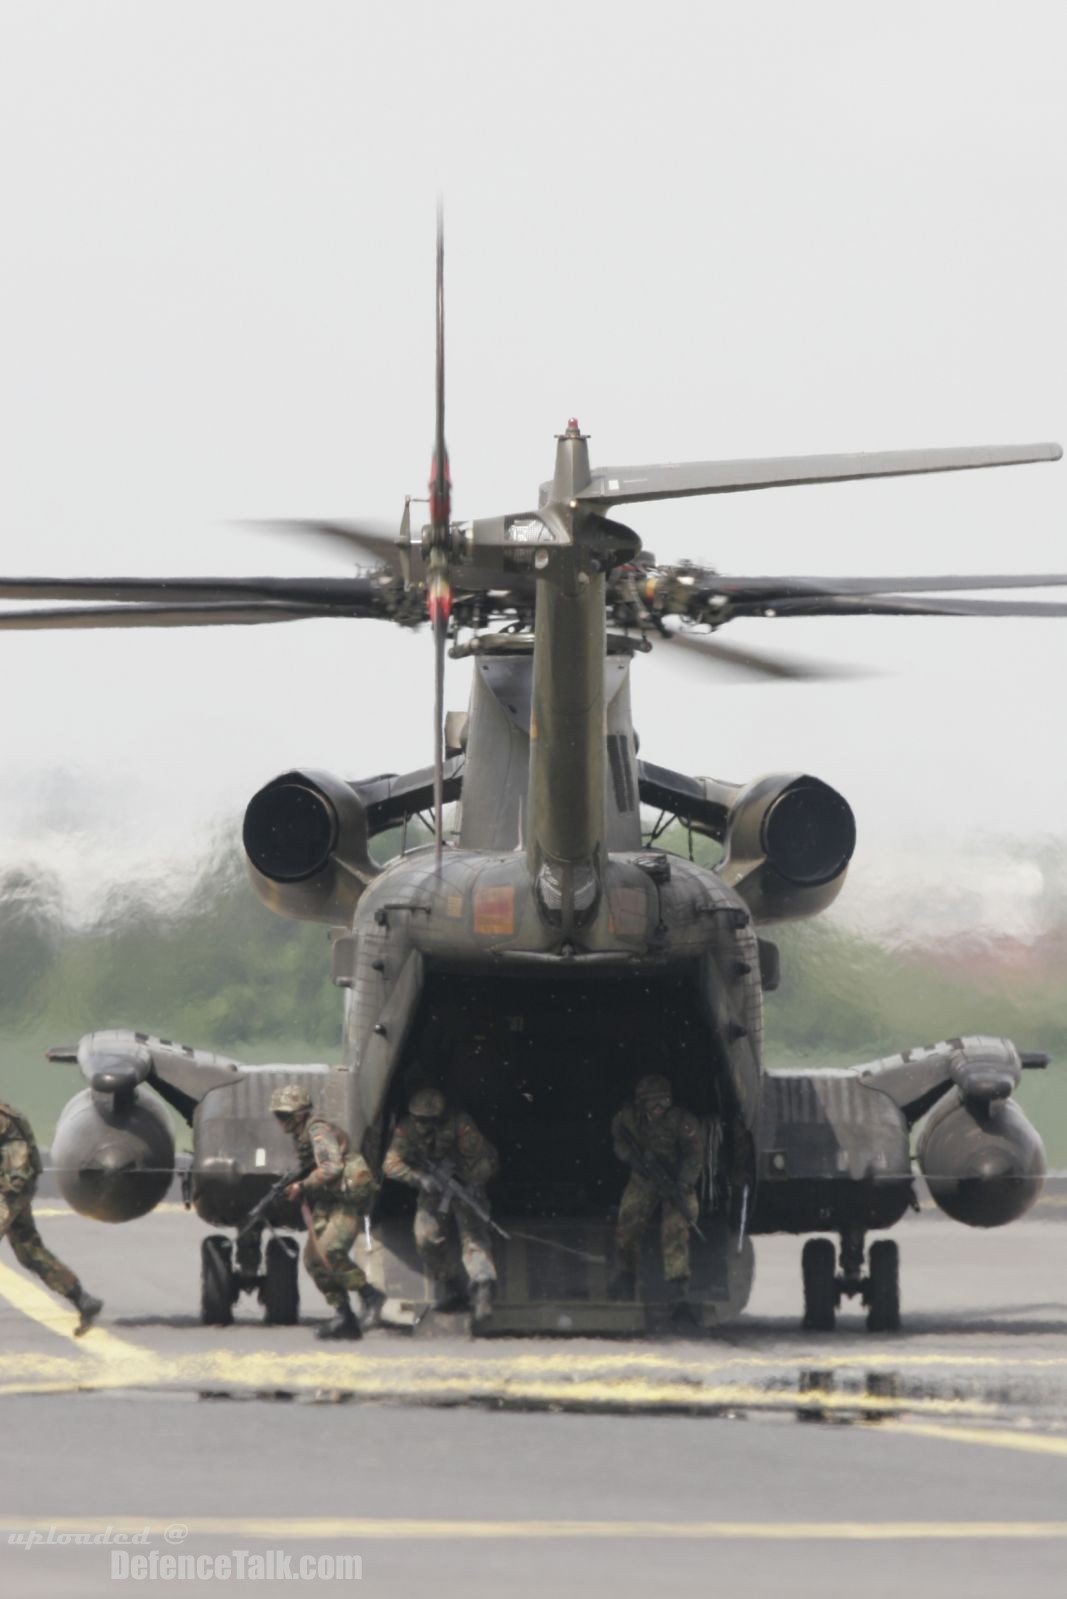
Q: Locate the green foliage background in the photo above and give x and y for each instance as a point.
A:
(218, 970)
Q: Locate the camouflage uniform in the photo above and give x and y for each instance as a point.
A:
(455, 1140)
(676, 1139)
(339, 1191)
(20, 1167)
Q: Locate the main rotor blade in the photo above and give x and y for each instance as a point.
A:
(741, 588)
(375, 539)
(92, 616)
(346, 593)
(620, 485)
(892, 605)
(755, 663)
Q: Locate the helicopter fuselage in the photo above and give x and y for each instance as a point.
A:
(550, 955)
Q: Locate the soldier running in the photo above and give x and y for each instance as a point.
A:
(653, 1126)
(20, 1167)
(335, 1196)
(432, 1136)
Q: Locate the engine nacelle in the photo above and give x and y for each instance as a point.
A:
(788, 844)
(114, 1154)
(983, 1161)
(305, 835)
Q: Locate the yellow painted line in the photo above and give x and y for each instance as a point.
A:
(628, 1395)
(265, 1363)
(23, 1390)
(638, 1360)
(587, 1396)
(27, 1296)
(597, 1383)
(507, 1363)
(37, 1367)
(57, 1212)
(326, 1528)
(575, 1382)
(636, 1381)
(33, 1301)
(1028, 1443)
(252, 1365)
(817, 1359)
(479, 1358)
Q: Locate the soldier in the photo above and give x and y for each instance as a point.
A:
(335, 1196)
(433, 1136)
(20, 1167)
(651, 1125)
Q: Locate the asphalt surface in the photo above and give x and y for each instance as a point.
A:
(932, 1461)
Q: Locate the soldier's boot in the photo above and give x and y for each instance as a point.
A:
(684, 1314)
(450, 1294)
(481, 1301)
(88, 1309)
(622, 1286)
(344, 1325)
(372, 1300)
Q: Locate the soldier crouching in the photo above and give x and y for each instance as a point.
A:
(429, 1139)
(20, 1167)
(653, 1132)
(335, 1195)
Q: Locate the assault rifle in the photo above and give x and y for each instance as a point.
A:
(650, 1166)
(259, 1210)
(450, 1188)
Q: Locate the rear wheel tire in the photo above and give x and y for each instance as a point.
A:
(218, 1287)
(883, 1287)
(819, 1266)
(281, 1288)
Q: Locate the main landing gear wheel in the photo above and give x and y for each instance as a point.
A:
(280, 1291)
(882, 1291)
(218, 1285)
(819, 1266)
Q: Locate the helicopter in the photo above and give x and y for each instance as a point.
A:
(546, 954)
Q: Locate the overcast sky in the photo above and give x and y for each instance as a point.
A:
(707, 230)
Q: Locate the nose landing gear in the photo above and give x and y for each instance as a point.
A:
(825, 1285)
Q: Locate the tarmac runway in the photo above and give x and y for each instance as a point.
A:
(932, 1461)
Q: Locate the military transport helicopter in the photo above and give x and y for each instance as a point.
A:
(539, 961)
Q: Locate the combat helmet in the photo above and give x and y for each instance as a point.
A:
(653, 1090)
(290, 1100)
(427, 1104)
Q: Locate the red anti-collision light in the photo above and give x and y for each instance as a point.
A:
(439, 599)
(440, 505)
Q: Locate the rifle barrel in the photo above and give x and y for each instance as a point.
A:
(452, 1187)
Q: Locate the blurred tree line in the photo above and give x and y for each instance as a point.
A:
(219, 965)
